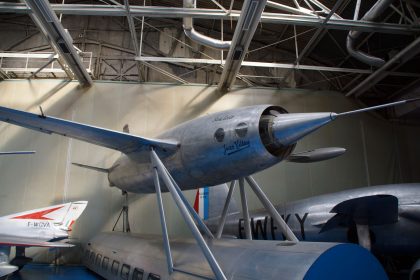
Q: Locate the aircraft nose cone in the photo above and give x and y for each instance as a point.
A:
(290, 128)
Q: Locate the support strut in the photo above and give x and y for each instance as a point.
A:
(163, 173)
(193, 213)
(124, 215)
(245, 212)
(288, 233)
(165, 235)
(225, 210)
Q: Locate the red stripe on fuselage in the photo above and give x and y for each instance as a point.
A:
(38, 215)
(197, 202)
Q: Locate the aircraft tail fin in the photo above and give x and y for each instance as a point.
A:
(74, 211)
(209, 202)
(62, 215)
(99, 169)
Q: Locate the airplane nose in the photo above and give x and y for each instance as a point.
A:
(290, 128)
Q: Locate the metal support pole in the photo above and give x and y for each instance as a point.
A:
(245, 212)
(165, 235)
(225, 210)
(42, 67)
(364, 236)
(288, 233)
(187, 218)
(193, 213)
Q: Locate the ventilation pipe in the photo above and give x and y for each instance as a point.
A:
(200, 38)
(371, 15)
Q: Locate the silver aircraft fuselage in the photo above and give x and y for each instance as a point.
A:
(132, 256)
(307, 218)
(214, 149)
(206, 151)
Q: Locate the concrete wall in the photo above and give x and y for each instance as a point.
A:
(378, 152)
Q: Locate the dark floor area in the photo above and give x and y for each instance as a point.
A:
(44, 271)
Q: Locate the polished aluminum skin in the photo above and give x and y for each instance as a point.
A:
(206, 151)
(214, 149)
(239, 259)
(394, 228)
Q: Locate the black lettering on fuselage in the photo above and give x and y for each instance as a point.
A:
(302, 224)
(257, 226)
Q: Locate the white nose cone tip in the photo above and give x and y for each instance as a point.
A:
(290, 128)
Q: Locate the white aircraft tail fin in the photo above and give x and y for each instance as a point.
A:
(74, 212)
(209, 202)
(63, 215)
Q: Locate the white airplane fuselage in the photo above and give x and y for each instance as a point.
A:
(42, 230)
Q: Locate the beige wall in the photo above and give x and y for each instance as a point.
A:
(386, 154)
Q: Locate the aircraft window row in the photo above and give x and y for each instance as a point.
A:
(98, 259)
(153, 276)
(105, 262)
(125, 271)
(138, 273)
(114, 268)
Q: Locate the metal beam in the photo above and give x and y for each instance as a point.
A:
(175, 60)
(172, 12)
(411, 91)
(42, 67)
(3, 75)
(28, 55)
(316, 37)
(244, 32)
(400, 58)
(132, 27)
(47, 21)
(164, 72)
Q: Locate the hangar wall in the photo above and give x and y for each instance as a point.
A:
(378, 151)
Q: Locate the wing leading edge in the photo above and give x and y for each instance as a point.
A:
(124, 142)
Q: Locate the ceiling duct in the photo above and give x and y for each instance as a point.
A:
(376, 11)
(198, 37)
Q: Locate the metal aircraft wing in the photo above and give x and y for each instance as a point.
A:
(31, 242)
(124, 142)
(366, 210)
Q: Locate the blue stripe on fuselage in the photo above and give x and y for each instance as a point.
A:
(206, 203)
